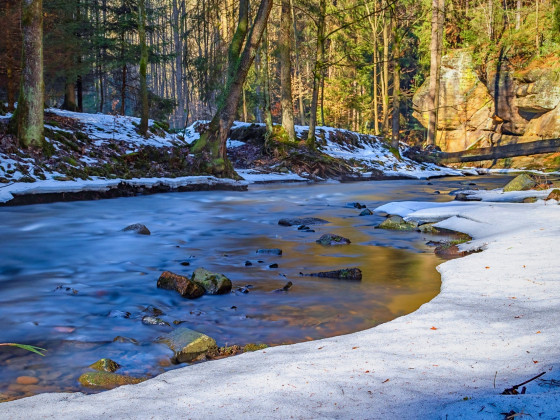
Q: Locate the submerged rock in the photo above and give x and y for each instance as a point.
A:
(271, 251)
(107, 380)
(152, 320)
(329, 239)
(188, 344)
(302, 221)
(343, 274)
(397, 223)
(356, 205)
(213, 283)
(105, 365)
(366, 212)
(466, 196)
(521, 182)
(138, 228)
(286, 287)
(184, 286)
(428, 228)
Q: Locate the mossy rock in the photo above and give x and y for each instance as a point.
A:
(188, 344)
(554, 195)
(398, 223)
(330, 239)
(521, 182)
(213, 283)
(254, 347)
(107, 380)
(183, 285)
(105, 365)
(428, 228)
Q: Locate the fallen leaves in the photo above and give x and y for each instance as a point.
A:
(433, 328)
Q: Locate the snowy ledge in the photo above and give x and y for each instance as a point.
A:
(493, 325)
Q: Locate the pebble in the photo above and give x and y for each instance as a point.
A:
(27, 380)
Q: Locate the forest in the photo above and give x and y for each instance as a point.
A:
(345, 64)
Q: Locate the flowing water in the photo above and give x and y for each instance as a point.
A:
(71, 280)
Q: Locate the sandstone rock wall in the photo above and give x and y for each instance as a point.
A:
(507, 107)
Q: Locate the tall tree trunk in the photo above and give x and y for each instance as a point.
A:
(385, 87)
(285, 57)
(298, 70)
(145, 109)
(180, 121)
(266, 84)
(69, 103)
(28, 118)
(375, 103)
(11, 88)
(438, 18)
(317, 73)
(518, 15)
(396, 124)
(211, 147)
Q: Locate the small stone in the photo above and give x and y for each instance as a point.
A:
(302, 227)
(213, 283)
(138, 228)
(105, 365)
(428, 228)
(248, 263)
(107, 380)
(27, 380)
(152, 320)
(329, 239)
(121, 339)
(184, 286)
(271, 251)
(286, 287)
(343, 274)
(530, 200)
(449, 251)
(397, 223)
(188, 344)
(302, 221)
(185, 263)
(273, 265)
(115, 313)
(366, 212)
(437, 192)
(152, 310)
(521, 182)
(356, 205)
(464, 196)
(554, 195)
(254, 347)
(243, 290)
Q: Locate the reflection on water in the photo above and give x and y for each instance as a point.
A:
(69, 276)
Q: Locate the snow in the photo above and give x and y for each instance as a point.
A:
(493, 325)
(510, 196)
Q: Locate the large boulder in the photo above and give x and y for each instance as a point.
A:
(184, 286)
(213, 283)
(188, 344)
(521, 182)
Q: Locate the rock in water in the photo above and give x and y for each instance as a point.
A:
(152, 320)
(107, 380)
(366, 212)
(397, 223)
(286, 287)
(213, 283)
(188, 344)
(329, 239)
(302, 221)
(356, 205)
(521, 182)
(105, 365)
(271, 251)
(184, 286)
(343, 274)
(138, 228)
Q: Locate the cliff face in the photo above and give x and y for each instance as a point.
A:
(507, 107)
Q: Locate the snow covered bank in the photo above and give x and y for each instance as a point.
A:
(494, 325)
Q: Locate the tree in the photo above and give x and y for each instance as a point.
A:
(317, 72)
(436, 46)
(210, 149)
(28, 118)
(143, 129)
(285, 49)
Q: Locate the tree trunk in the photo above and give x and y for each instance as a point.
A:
(69, 103)
(145, 109)
(438, 18)
(28, 118)
(375, 103)
(518, 15)
(266, 85)
(210, 149)
(395, 129)
(298, 70)
(385, 87)
(11, 89)
(285, 50)
(317, 73)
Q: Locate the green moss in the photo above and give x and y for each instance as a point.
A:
(254, 347)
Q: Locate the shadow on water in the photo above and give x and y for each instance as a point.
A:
(72, 281)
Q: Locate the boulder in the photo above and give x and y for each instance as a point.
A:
(184, 286)
(107, 380)
(343, 274)
(188, 344)
(521, 182)
(554, 195)
(397, 223)
(213, 283)
(105, 365)
(138, 228)
(330, 239)
(271, 251)
(302, 221)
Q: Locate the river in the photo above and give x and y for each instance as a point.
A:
(72, 281)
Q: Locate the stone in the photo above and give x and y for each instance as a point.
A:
(121, 339)
(105, 365)
(521, 182)
(107, 380)
(138, 228)
(343, 274)
(254, 347)
(465, 196)
(530, 200)
(152, 320)
(184, 286)
(554, 195)
(248, 263)
(188, 344)
(366, 212)
(356, 205)
(397, 223)
(271, 251)
(302, 221)
(213, 283)
(330, 239)
(428, 228)
(286, 287)
(273, 265)
(27, 380)
(449, 251)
